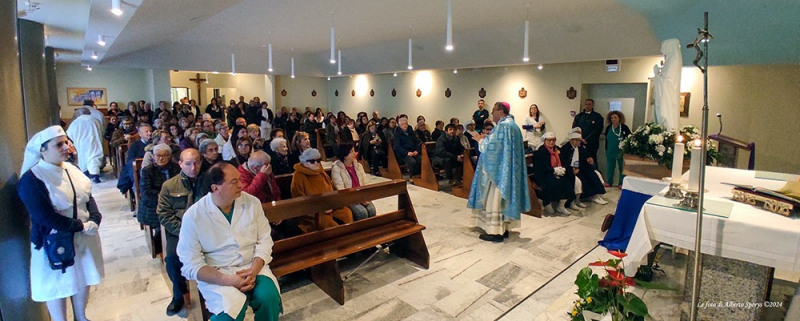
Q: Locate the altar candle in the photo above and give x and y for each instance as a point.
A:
(677, 160)
(694, 167)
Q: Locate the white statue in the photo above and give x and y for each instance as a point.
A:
(667, 83)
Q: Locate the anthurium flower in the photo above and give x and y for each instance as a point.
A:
(599, 263)
(617, 254)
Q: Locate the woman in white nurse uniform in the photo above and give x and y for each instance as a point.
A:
(48, 187)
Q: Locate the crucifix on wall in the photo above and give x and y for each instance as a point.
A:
(198, 80)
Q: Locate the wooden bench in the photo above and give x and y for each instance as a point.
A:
(318, 251)
(153, 241)
(536, 207)
(469, 174)
(394, 170)
(112, 158)
(428, 174)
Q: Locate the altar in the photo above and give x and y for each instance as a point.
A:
(742, 244)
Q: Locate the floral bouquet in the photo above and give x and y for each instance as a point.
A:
(655, 142)
(606, 296)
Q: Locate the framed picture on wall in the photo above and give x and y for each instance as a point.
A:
(685, 104)
(76, 96)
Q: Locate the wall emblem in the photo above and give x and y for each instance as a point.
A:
(523, 93)
(419, 93)
(353, 93)
(394, 92)
(284, 93)
(313, 93)
(482, 93)
(372, 92)
(336, 93)
(572, 93)
(447, 93)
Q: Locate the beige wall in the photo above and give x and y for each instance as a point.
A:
(758, 104)
(298, 92)
(122, 84)
(249, 85)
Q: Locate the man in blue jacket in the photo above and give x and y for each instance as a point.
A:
(406, 146)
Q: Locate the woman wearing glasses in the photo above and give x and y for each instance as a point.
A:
(310, 179)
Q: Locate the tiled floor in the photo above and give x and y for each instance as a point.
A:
(468, 279)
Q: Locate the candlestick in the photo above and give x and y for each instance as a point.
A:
(694, 168)
(677, 160)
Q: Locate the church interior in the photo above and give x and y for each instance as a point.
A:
(437, 59)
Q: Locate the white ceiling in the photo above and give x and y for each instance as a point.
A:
(373, 34)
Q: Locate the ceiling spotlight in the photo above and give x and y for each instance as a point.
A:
(526, 59)
(116, 7)
(540, 67)
(215, 72)
(88, 67)
(395, 74)
(449, 46)
(94, 55)
(270, 55)
(455, 71)
(329, 77)
(101, 40)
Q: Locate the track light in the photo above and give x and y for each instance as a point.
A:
(101, 40)
(410, 66)
(233, 64)
(94, 55)
(540, 67)
(270, 57)
(333, 42)
(292, 67)
(339, 70)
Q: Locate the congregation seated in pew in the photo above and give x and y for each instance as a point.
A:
(449, 154)
(407, 146)
(280, 156)
(550, 175)
(348, 173)
(309, 178)
(372, 148)
(258, 180)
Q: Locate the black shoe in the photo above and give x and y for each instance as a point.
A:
(505, 235)
(174, 307)
(491, 237)
(96, 179)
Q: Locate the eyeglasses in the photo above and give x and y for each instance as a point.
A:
(162, 155)
(314, 161)
(244, 145)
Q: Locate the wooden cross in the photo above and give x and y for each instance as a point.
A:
(198, 80)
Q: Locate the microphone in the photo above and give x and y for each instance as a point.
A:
(719, 116)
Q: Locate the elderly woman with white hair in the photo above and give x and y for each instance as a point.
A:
(66, 255)
(576, 160)
(310, 179)
(280, 156)
(550, 175)
(153, 176)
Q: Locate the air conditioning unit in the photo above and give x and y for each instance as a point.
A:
(612, 65)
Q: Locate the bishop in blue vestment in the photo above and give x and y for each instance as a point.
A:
(499, 190)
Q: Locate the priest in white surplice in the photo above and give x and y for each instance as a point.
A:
(86, 133)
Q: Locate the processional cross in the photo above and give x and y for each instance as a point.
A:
(198, 80)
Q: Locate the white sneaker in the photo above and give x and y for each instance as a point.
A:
(549, 209)
(579, 203)
(563, 210)
(599, 200)
(575, 207)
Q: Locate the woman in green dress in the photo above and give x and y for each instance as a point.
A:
(615, 132)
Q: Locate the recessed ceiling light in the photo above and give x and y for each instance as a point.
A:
(101, 40)
(94, 55)
(116, 7)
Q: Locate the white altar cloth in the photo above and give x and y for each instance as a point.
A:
(750, 233)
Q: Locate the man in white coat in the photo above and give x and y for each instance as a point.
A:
(225, 245)
(86, 133)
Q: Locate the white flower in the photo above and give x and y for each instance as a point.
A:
(634, 143)
(669, 150)
(661, 149)
(646, 130)
(622, 145)
(656, 139)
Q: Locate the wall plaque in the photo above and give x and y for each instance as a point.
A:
(523, 93)
(353, 93)
(313, 93)
(447, 93)
(372, 92)
(394, 92)
(572, 93)
(336, 93)
(482, 93)
(419, 93)
(284, 93)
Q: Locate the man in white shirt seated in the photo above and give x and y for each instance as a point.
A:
(225, 245)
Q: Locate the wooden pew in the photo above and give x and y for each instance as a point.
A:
(536, 207)
(469, 174)
(318, 251)
(393, 170)
(112, 158)
(321, 144)
(428, 174)
(153, 241)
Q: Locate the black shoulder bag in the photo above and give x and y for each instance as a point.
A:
(60, 246)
